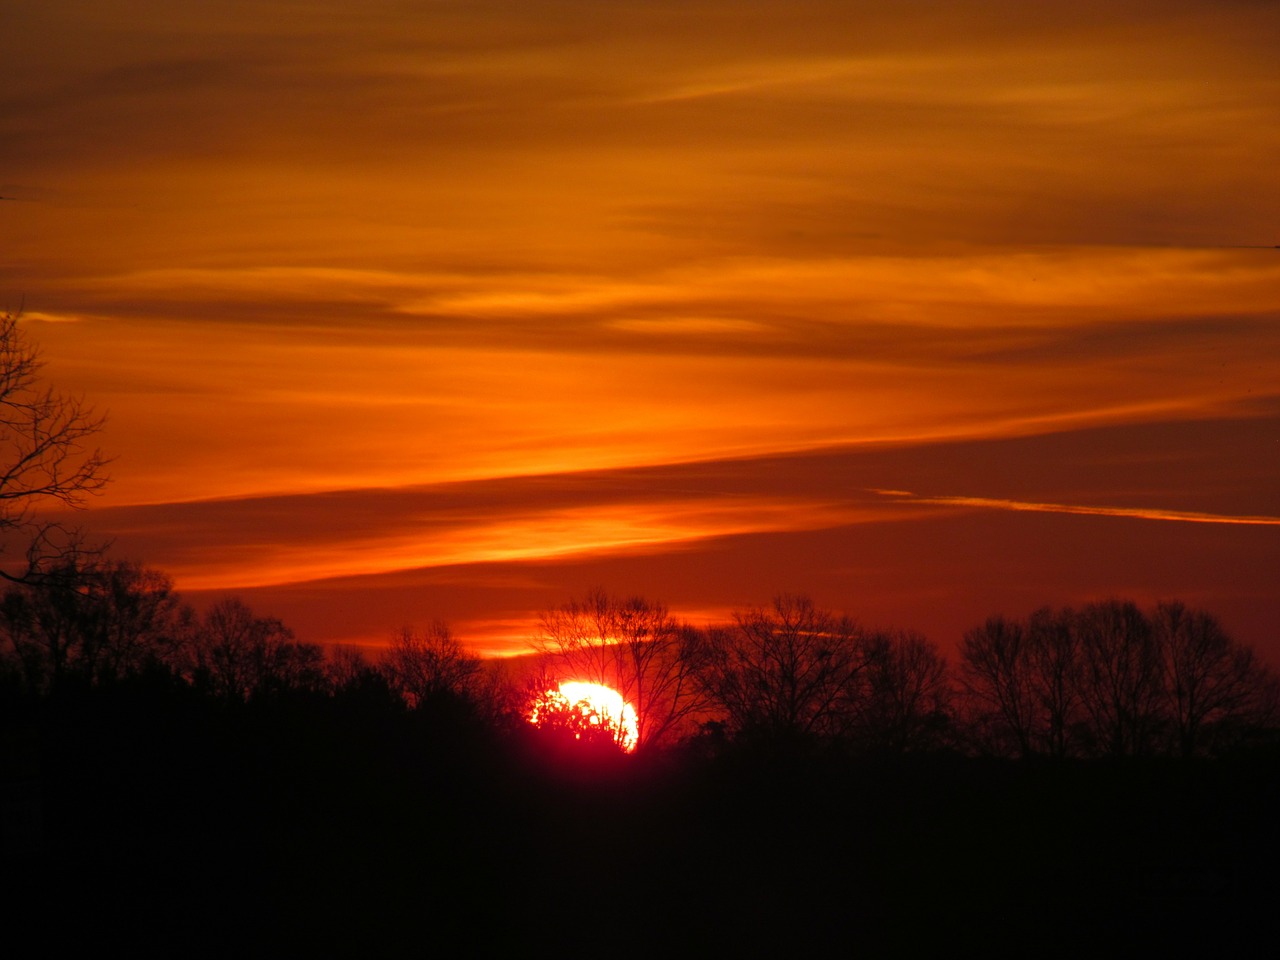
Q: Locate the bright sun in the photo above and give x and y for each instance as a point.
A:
(588, 707)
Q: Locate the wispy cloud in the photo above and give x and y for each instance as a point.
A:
(513, 535)
(1140, 513)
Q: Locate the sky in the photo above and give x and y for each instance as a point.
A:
(405, 311)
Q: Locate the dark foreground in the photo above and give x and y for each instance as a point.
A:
(168, 825)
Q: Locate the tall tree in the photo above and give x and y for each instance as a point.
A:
(430, 665)
(1122, 677)
(1112, 680)
(237, 654)
(93, 619)
(905, 693)
(997, 674)
(1212, 683)
(45, 460)
(1054, 644)
(633, 646)
(786, 671)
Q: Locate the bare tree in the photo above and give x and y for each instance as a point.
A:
(997, 672)
(787, 671)
(430, 665)
(1122, 677)
(905, 693)
(1023, 683)
(93, 619)
(351, 677)
(346, 667)
(1112, 680)
(45, 458)
(1211, 682)
(634, 647)
(238, 654)
(1054, 645)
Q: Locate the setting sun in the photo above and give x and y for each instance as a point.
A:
(587, 708)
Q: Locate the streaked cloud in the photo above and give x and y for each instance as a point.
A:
(1140, 513)
(515, 536)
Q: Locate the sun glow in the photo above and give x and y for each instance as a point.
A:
(587, 710)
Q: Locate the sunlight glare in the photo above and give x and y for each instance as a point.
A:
(600, 705)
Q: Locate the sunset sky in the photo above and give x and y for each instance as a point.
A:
(405, 311)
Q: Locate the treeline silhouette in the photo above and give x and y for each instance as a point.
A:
(1105, 776)
(1105, 680)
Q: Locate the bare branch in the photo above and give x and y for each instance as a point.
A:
(45, 458)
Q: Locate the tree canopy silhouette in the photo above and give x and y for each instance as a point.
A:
(1112, 680)
(93, 619)
(787, 671)
(430, 666)
(236, 654)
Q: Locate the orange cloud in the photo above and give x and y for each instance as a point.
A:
(1141, 513)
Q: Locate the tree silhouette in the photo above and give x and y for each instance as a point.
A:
(1023, 685)
(1121, 677)
(634, 647)
(430, 665)
(236, 654)
(1111, 680)
(44, 458)
(1085, 681)
(355, 681)
(904, 693)
(93, 619)
(1054, 650)
(1212, 683)
(789, 671)
(998, 674)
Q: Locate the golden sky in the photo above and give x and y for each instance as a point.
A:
(405, 311)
